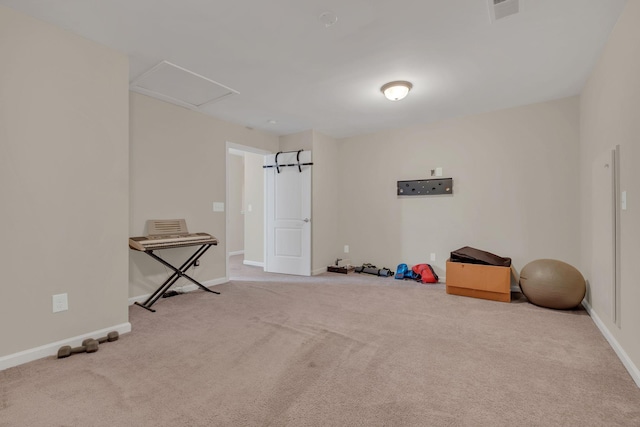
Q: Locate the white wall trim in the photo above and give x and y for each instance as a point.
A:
(253, 263)
(140, 298)
(236, 253)
(52, 349)
(207, 283)
(319, 271)
(622, 355)
(186, 288)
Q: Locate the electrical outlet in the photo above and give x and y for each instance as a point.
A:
(433, 256)
(60, 303)
(346, 249)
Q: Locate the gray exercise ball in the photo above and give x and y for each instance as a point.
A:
(552, 284)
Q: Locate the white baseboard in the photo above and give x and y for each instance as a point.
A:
(186, 288)
(208, 284)
(236, 253)
(622, 355)
(140, 298)
(319, 271)
(52, 349)
(253, 263)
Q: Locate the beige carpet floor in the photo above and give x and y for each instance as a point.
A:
(332, 350)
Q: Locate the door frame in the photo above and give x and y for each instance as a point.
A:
(248, 149)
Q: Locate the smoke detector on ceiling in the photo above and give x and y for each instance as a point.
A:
(499, 9)
(328, 18)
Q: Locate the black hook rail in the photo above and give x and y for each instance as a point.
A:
(425, 187)
(298, 164)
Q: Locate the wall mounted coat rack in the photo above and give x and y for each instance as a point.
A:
(298, 164)
(425, 187)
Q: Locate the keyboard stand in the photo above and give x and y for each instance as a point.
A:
(177, 273)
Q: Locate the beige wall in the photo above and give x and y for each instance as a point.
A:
(515, 180)
(235, 210)
(297, 141)
(63, 183)
(254, 219)
(178, 171)
(610, 104)
(324, 218)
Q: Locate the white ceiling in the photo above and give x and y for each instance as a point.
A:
(290, 68)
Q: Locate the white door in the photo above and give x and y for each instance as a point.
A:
(288, 216)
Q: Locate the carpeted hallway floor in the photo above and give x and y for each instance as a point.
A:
(332, 350)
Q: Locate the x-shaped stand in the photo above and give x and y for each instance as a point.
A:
(177, 273)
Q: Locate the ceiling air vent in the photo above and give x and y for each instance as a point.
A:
(178, 85)
(499, 9)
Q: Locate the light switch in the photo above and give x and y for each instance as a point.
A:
(623, 200)
(218, 206)
(438, 171)
(249, 208)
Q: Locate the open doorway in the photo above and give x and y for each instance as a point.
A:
(245, 208)
(272, 237)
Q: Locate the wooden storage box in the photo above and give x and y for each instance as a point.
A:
(479, 281)
(344, 269)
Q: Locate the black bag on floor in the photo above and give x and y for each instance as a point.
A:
(372, 269)
(476, 256)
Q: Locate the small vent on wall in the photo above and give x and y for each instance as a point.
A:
(499, 9)
(178, 85)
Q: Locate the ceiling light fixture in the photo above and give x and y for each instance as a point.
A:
(395, 91)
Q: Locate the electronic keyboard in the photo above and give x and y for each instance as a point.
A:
(149, 243)
(169, 233)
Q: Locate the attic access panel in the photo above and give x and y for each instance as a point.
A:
(499, 9)
(180, 86)
(425, 187)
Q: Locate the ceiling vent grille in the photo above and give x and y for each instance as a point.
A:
(178, 85)
(499, 9)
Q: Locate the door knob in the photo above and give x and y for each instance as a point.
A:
(306, 220)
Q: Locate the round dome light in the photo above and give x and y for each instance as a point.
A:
(395, 91)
